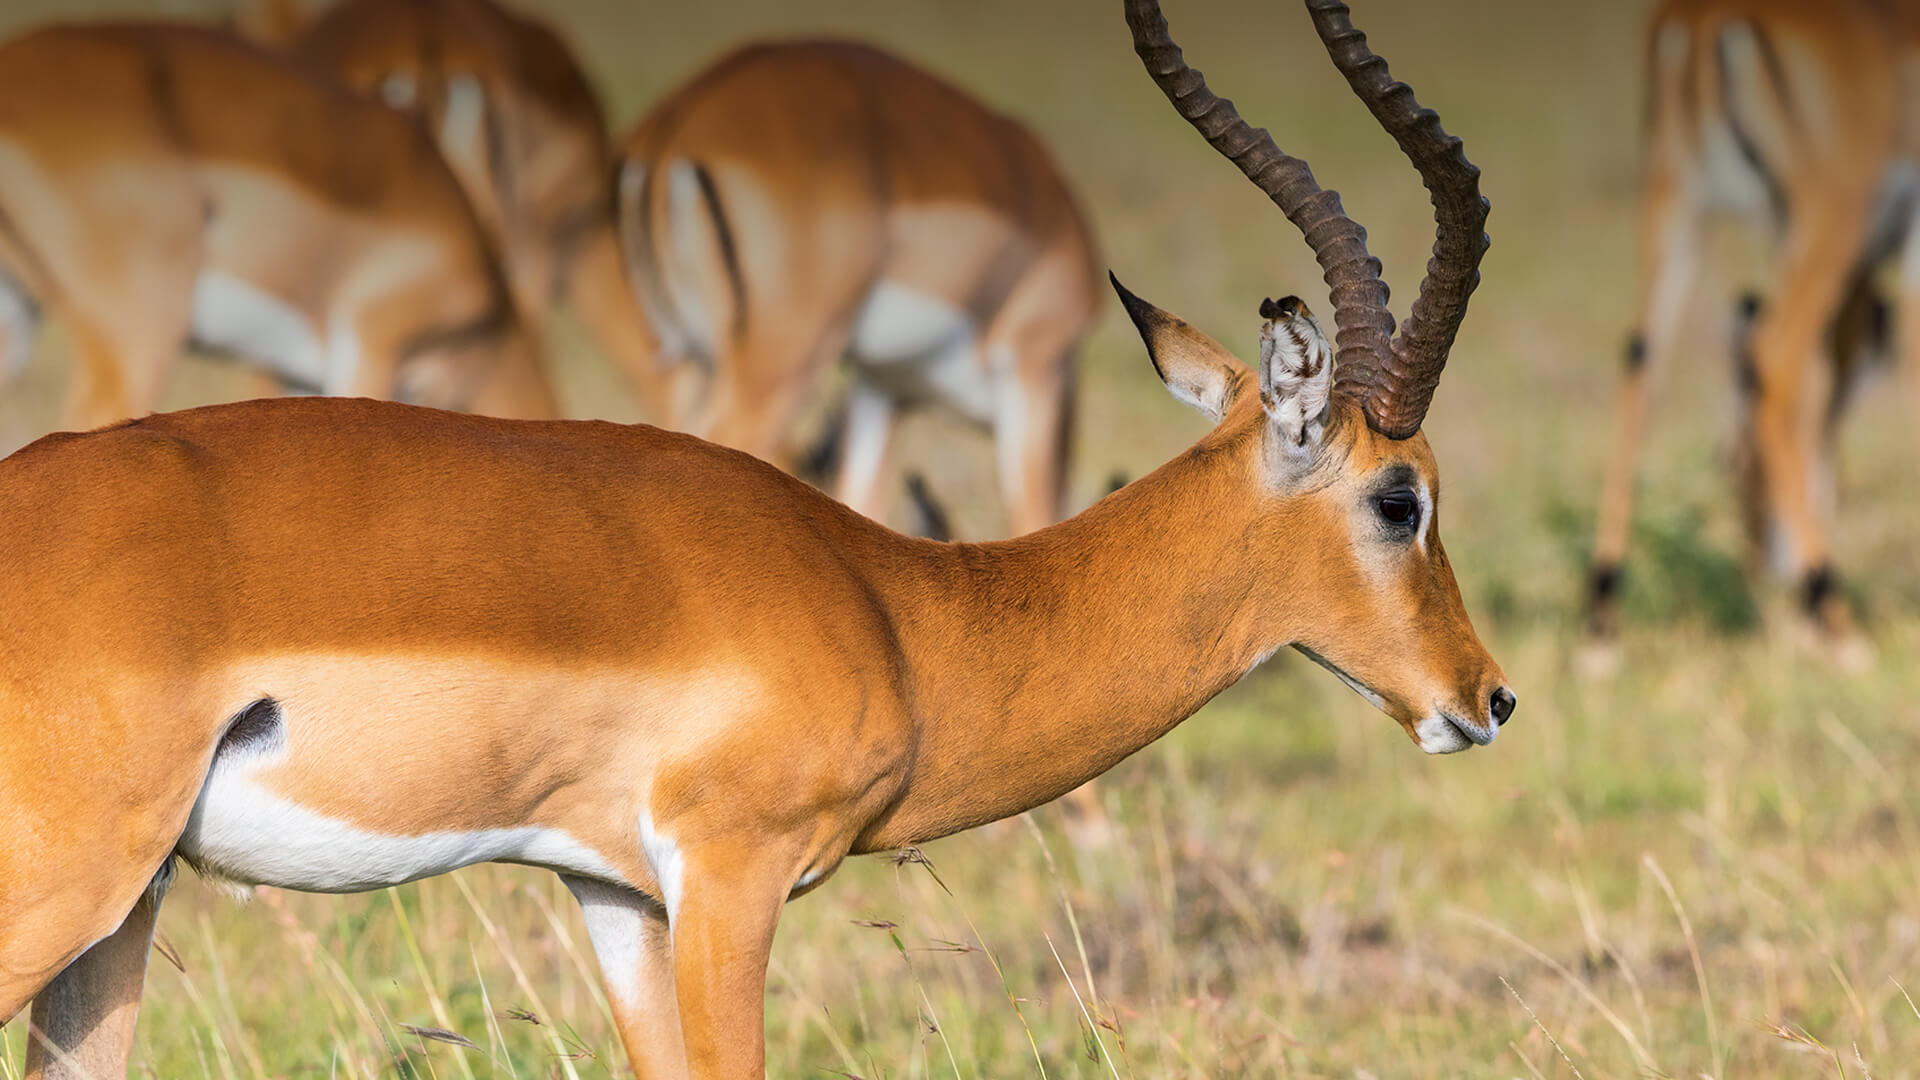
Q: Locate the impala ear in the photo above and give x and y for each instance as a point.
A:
(1199, 370)
(1296, 373)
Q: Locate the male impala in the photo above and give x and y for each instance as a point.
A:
(798, 202)
(523, 130)
(334, 645)
(161, 184)
(1799, 116)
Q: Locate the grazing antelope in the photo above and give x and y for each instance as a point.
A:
(338, 644)
(164, 184)
(1797, 117)
(523, 130)
(801, 202)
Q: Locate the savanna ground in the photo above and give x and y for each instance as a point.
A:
(1705, 865)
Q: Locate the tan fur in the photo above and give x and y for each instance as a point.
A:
(1812, 103)
(474, 623)
(836, 168)
(135, 157)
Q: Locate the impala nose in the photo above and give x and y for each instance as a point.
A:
(1502, 705)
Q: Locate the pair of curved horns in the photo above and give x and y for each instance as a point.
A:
(1392, 376)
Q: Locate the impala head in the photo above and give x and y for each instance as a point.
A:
(1341, 484)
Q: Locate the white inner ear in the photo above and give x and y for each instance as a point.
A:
(1202, 386)
(1296, 378)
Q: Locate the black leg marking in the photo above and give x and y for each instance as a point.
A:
(933, 523)
(1603, 583)
(1636, 357)
(1817, 589)
(1746, 374)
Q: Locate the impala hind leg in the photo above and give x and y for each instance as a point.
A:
(761, 386)
(1793, 390)
(634, 946)
(123, 349)
(1857, 341)
(83, 1021)
(596, 288)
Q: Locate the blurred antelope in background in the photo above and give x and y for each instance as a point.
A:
(523, 130)
(798, 203)
(1801, 118)
(164, 184)
(685, 681)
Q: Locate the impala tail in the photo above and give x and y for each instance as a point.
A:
(682, 257)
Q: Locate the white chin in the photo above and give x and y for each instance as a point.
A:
(1439, 735)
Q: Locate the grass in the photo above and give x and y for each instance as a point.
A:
(1705, 865)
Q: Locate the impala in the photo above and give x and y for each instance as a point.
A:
(151, 196)
(801, 202)
(523, 130)
(334, 645)
(1795, 117)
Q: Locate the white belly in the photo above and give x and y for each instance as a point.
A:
(245, 833)
(234, 315)
(918, 347)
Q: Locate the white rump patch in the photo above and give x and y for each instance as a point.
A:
(691, 253)
(238, 316)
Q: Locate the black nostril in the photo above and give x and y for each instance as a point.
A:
(1503, 703)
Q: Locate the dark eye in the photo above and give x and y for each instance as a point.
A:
(1398, 507)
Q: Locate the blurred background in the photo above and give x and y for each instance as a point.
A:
(1705, 863)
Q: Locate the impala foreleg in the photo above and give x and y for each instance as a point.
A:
(82, 1024)
(632, 940)
(120, 370)
(1670, 232)
(1032, 433)
(723, 923)
(869, 425)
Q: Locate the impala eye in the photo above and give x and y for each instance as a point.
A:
(1398, 508)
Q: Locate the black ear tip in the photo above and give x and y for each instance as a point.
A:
(1284, 308)
(1141, 312)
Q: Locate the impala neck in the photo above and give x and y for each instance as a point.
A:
(1038, 663)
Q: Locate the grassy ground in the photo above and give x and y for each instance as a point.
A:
(1705, 865)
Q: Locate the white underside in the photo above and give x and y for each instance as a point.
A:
(243, 832)
(921, 348)
(237, 316)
